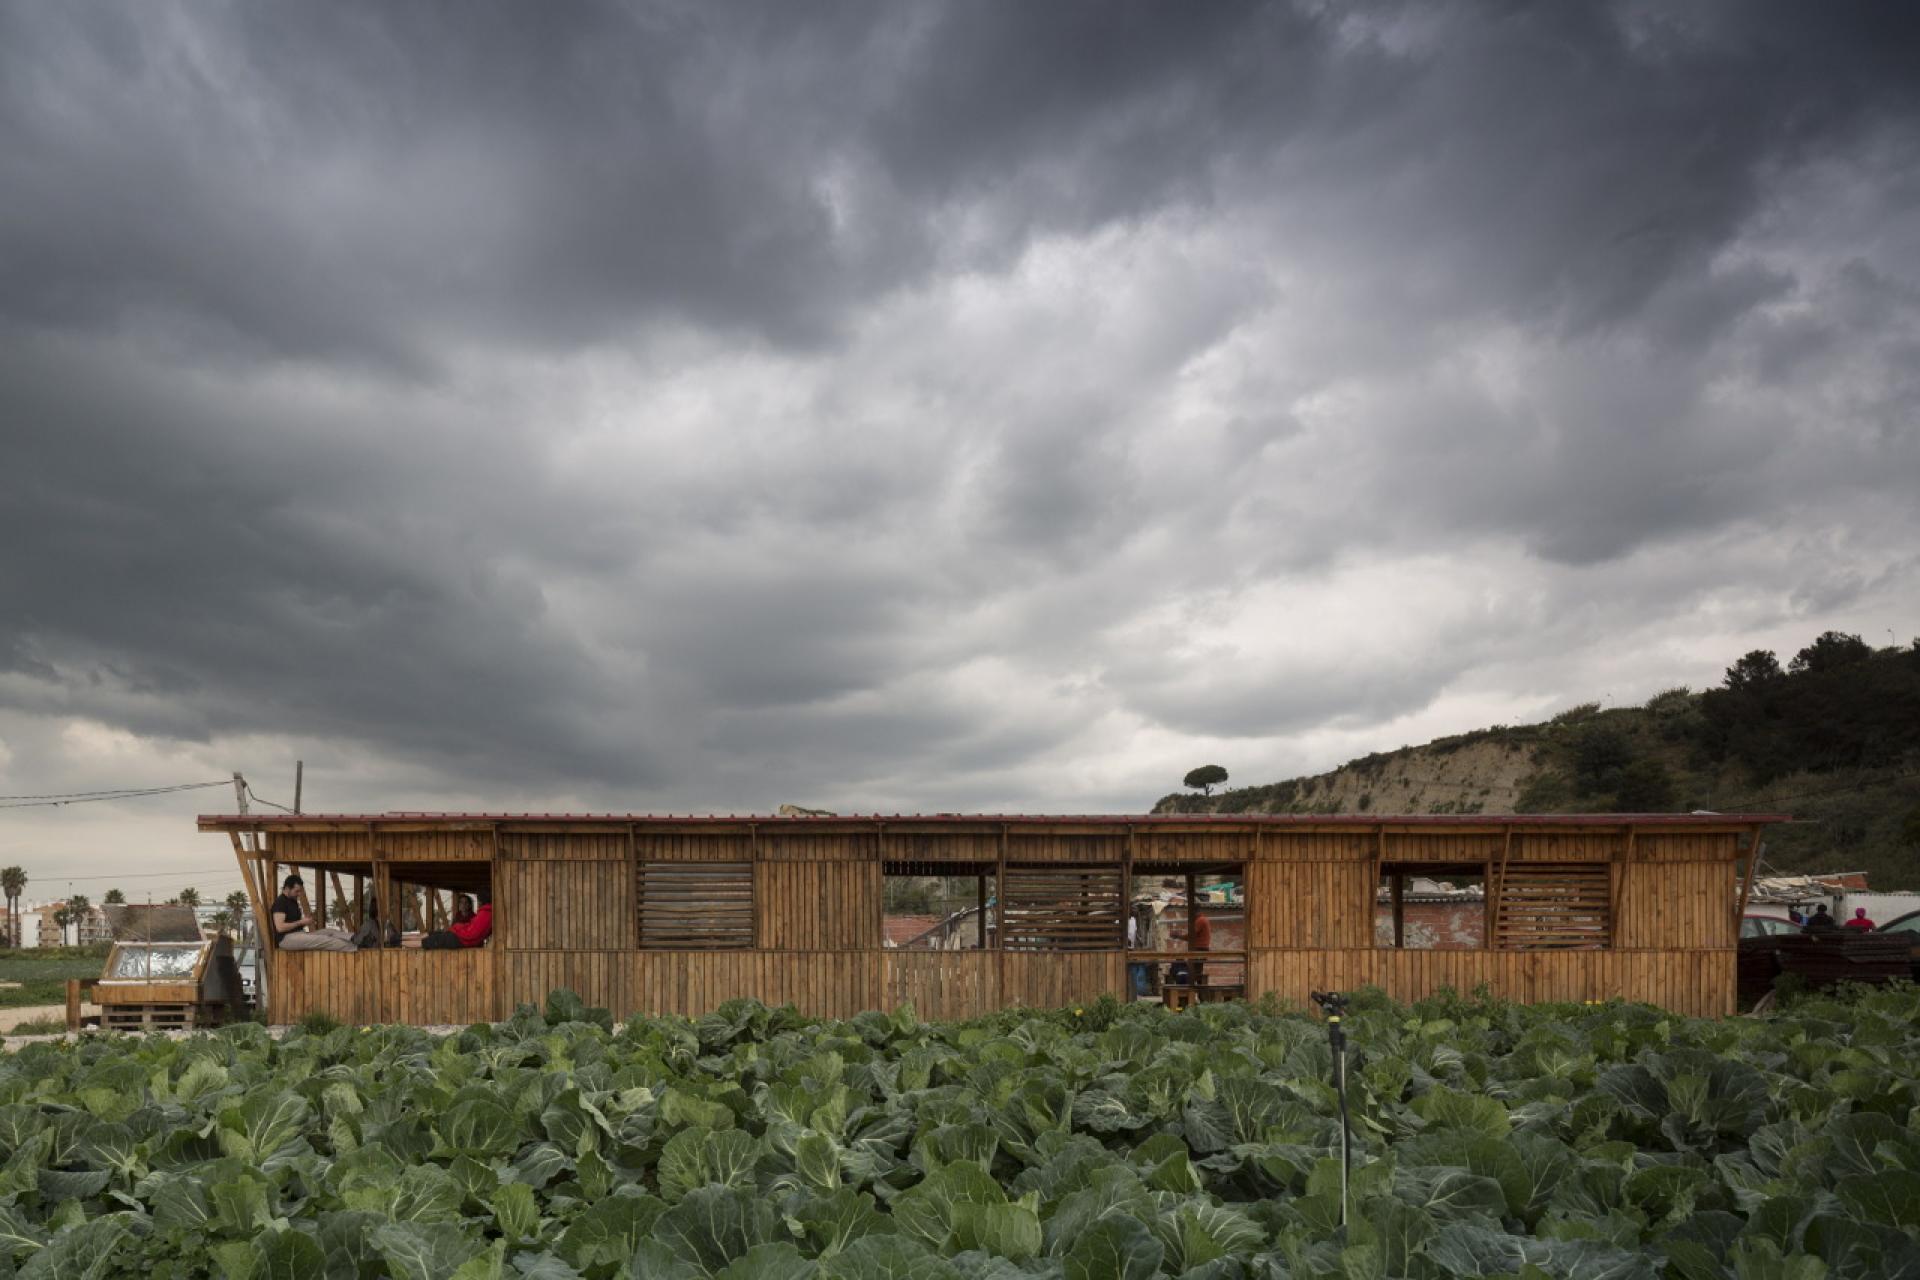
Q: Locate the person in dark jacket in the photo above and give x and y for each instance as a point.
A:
(1822, 922)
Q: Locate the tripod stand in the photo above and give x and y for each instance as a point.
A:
(1334, 1005)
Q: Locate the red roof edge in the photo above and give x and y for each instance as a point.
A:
(1084, 819)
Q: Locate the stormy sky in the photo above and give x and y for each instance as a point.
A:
(977, 406)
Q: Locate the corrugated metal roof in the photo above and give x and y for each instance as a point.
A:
(1365, 820)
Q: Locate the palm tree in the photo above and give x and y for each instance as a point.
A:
(13, 882)
(189, 897)
(114, 898)
(222, 920)
(62, 917)
(78, 908)
(238, 905)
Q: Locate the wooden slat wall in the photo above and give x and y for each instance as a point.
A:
(1553, 904)
(565, 904)
(701, 906)
(942, 984)
(826, 984)
(567, 916)
(1195, 846)
(1442, 846)
(1310, 904)
(1047, 981)
(960, 846)
(700, 848)
(1688, 902)
(604, 978)
(420, 987)
(547, 847)
(1056, 906)
(1066, 848)
(472, 845)
(819, 906)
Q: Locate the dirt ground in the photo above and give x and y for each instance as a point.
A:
(11, 1018)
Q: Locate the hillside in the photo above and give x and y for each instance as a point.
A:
(1832, 738)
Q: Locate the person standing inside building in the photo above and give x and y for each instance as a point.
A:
(1199, 938)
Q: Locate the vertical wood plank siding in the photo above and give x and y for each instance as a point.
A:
(568, 916)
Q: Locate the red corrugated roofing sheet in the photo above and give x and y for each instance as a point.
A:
(1275, 819)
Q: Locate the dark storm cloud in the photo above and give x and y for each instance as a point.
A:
(734, 401)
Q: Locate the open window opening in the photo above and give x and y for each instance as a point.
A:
(335, 898)
(1424, 906)
(438, 906)
(695, 906)
(1064, 907)
(1187, 932)
(1547, 906)
(939, 906)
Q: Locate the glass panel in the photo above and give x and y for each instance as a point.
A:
(157, 960)
(1905, 924)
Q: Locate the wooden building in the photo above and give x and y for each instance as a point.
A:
(676, 915)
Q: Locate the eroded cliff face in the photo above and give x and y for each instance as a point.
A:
(1485, 776)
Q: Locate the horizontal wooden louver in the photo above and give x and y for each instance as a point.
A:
(1539, 906)
(1063, 908)
(695, 906)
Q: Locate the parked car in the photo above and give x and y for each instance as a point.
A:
(1909, 925)
(1766, 926)
(247, 956)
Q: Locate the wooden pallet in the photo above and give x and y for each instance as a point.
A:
(162, 1017)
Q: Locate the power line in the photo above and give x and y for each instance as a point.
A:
(141, 875)
(272, 804)
(112, 791)
(91, 797)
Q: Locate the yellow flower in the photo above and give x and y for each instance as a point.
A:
(1076, 1013)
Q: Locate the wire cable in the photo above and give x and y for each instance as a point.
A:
(114, 791)
(272, 804)
(92, 797)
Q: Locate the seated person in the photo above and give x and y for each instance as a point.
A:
(470, 927)
(371, 932)
(290, 932)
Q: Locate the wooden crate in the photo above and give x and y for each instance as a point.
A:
(162, 1017)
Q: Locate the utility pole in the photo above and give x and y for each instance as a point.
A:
(299, 773)
(240, 799)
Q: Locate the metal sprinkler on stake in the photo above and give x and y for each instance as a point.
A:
(1334, 1006)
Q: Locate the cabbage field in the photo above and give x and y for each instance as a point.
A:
(1599, 1142)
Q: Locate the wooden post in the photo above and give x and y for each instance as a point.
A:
(1499, 890)
(73, 1004)
(753, 847)
(1372, 907)
(980, 918)
(1397, 886)
(1754, 847)
(1618, 885)
(249, 877)
(1000, 924)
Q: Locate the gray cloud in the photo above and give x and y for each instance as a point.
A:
(971, 404)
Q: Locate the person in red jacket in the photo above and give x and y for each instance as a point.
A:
(1859, 921)
(469, 928)
(476, 928)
